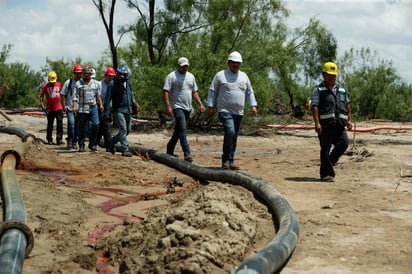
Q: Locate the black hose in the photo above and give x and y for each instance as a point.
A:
(272, 257)
(16, 239)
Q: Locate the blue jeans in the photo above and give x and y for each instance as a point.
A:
(84, 119)
(122, 120)
(72, 125)
(231, 125)
(181, 117)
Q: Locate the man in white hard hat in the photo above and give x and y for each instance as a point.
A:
(231, 87)
(332, 114)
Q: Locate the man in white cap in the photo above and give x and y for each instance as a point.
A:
(231, 87)
(178, 91)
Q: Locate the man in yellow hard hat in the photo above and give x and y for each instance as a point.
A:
(53, 107)
(332, 115)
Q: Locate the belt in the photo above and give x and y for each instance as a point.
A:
(332, 115)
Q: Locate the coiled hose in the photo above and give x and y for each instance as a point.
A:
(272, 257)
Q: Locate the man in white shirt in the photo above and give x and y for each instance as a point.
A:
(230, 87)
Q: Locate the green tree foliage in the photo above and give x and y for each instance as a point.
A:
(375, 89)
(19, 84)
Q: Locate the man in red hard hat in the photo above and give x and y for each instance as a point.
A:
(67, 102)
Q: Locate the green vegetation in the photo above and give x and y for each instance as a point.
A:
(283, 64)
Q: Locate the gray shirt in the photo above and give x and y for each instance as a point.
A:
(231, 90)
(180, 87)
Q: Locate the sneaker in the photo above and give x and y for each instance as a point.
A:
(92, 148)
(327, 179)
(74, 146)
(172, 154)
(234, 167)
(127, 153)
(59, 142)
(188, 159)
(49, 142)
(225, 165)
(81, 148)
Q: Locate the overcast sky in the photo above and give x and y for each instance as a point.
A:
(71, 28)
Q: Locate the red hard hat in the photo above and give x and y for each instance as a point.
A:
(110, 71)
(77, 68)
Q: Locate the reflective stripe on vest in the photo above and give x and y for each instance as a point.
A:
(332, 115)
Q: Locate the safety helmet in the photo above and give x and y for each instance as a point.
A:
(77, 68)
(110, 71)
(122, 72)
(330, 68)
(235, 57)
(52, 77)
(87, 69)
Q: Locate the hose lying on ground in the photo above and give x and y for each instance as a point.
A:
(16, 239)
(271, 258)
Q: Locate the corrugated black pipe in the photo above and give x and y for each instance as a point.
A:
(272, 257)
(16, 239)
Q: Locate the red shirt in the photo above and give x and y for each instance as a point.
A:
(52, 92)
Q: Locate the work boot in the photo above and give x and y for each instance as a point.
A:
(111, 146)
(225, 165)
(81, 148)
(127, 153)
(233, 166)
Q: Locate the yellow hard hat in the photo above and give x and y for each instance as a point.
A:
(330, 68)
(52, 77)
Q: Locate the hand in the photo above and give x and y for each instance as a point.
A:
(210, 112)
(349, 125)
(169, 111)
(202, 108)
(318, 128)
(253, 110)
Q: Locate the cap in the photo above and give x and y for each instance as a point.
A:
(183, 61)
(52, 77)
(235, 57)
(330, 68)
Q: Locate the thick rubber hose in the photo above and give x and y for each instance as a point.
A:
(274, 256)
(16, 239)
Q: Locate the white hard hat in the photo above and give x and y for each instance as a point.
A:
(235, 57)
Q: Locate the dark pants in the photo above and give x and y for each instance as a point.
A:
(331, 135)
(231, 124)
(104, 129)
(181, 118)
(51, 116)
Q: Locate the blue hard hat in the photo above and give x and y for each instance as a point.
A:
(122, 72)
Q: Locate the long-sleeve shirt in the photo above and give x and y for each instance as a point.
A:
(231, 90)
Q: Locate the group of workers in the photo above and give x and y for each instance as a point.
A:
(91, 104)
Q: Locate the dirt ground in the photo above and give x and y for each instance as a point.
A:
(103, 213)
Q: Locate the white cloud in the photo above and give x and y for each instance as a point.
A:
(70, 29)
(383, 26)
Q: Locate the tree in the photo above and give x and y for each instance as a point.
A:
(19, 83)
(108, 7)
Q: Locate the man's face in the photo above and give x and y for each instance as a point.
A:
(86, 76)
(234, 66)
(182, 69)
(330, 79)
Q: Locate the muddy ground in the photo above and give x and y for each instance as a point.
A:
(103, 213)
